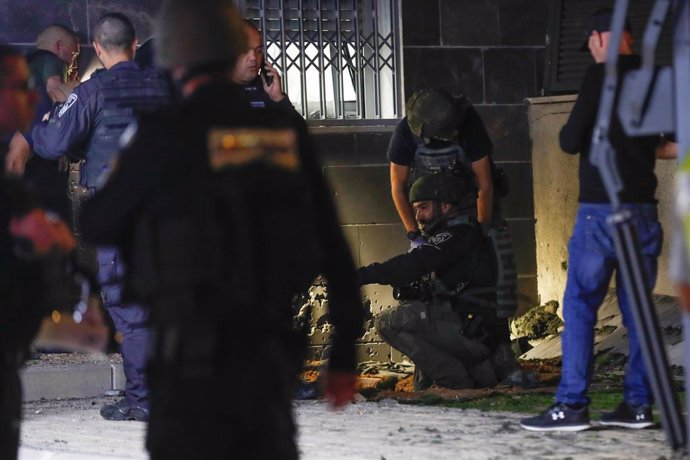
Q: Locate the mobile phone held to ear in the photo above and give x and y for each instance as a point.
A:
(264, 73)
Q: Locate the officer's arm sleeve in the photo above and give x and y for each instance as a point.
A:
(477, 140)
(405, 268)
(401, 147)
(345, 304)
(52, 66)
(573, 135)
(106, 218)
(68, 127)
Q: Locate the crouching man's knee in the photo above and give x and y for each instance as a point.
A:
(409, 317)
(383, 323)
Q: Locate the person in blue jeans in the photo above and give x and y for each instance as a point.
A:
(592, 255)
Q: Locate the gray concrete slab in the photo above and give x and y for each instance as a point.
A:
(59, 430)
(71, 380)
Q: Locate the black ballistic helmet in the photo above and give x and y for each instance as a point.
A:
(193, 34)
(440, 186)
(434, 114)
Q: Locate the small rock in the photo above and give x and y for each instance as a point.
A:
(358, 398)
(388, 402)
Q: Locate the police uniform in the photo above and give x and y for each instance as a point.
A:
(259, 99)
(44, 175)
(91, 122)
(452, 335)
(219, 252)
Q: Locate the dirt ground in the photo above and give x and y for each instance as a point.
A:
(388, 430)
(387, 421)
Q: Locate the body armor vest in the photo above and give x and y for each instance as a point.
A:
(452, 159)
(502, 298)
(121, 96)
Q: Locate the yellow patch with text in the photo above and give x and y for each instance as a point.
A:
(236, 148)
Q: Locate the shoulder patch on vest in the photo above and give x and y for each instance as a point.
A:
(237, 148)
(68, 103)
(440, 238)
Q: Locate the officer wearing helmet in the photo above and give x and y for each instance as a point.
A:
(193, 202)
(439, 131)
(446, 322)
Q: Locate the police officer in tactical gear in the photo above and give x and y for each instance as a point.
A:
(92, 121)
(439, 131)
(57, 50)
(450, 328)
(194, 202)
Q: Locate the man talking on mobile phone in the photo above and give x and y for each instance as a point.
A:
(260, 80)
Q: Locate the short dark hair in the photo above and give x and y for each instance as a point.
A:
(7, 52)
(250, 23)
(114, 31)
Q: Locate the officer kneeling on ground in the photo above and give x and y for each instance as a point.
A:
(449, 326)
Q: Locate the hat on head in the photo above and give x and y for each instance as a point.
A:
(600, 21)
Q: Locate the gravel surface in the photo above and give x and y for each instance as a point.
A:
(73, 430)
(59, 360)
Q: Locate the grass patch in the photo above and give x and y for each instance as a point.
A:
(532, 403)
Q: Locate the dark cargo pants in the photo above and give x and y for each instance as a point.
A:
(431, 335)
(222, 392)
(131, 322)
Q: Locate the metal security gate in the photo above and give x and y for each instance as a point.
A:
(340, 59)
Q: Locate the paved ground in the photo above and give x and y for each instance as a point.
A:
(73, 430)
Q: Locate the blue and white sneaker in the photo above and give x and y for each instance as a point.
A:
(629, 416)
(559, 417)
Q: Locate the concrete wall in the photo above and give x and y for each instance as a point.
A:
(490, 50)
(22, 20)
(555, 196)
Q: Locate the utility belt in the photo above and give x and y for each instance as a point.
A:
(78, 194)
(446, 309)
(471, 321)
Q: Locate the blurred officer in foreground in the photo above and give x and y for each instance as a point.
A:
(223, 216)
(92, 120)
(449, 326)
(32, 244)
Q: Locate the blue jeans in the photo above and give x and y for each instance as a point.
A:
(592, 261)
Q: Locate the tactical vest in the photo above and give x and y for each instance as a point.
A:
(500, 298)
(502, 250)
(121, 95)
(452, 158)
